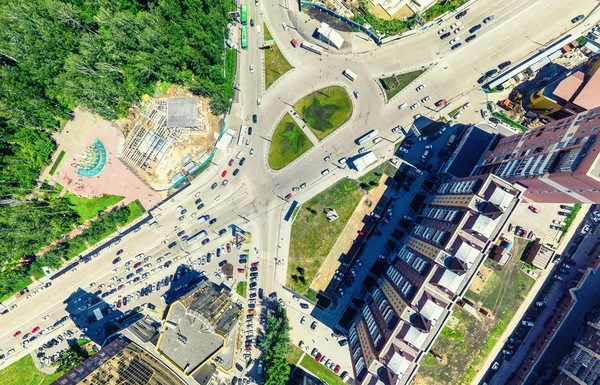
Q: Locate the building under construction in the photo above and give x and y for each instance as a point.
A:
(121, 362)
(163, 125)
(198, 326)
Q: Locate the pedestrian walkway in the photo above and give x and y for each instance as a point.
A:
(305, 128)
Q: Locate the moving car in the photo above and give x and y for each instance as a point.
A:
(455, 46)
(475, 28)
(488, 19)
(470, 38)
(445, 35)
(461, 14)
(577, 18)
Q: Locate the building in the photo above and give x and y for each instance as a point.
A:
(557, 162)
(408, 306)
(473, 144)
(198, 326)
(330, 35)
(121, 362)
(582, 365)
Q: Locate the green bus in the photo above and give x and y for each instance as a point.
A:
(244, 15)
(244, 37)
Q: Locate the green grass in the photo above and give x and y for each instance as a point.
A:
(313, 235)
(403, 81)
(570, 219)
(57, 162)
(294, 355)
(454, 111)
(321, 371)
(22, 284)
(276, 64)
(230, 64)
(325, 110)
(468, 345)
(136, 210)
(371, 179)
(241, 288)
(509, 121)
(441, 7)
(287, 144)
(88, 208)
(24, 372)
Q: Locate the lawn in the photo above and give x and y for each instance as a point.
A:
(287, 144)
(570, 219)
(24, 372)
(509, 121)
(57, 162)
(276, 64)
(403, 81)
(466, 347)
(371, 179)
(241, 288)
(22, 284)
(454, 111)
(88, 208)
(313, 235)
(136, 209)
(294, 355)
(327, 375)
(325, 110)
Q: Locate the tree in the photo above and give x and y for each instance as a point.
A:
(70, 358)
(276, 345)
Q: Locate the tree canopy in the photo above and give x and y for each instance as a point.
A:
(276, 345)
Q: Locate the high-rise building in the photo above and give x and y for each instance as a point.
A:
(557, 162)
(407, 307)
(121, 362)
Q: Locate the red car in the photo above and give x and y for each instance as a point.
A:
(534, 209)
(18, 333)
(230, 162)
(121, 287)
(439, 103)
(36, 329)
(224, 173)
(241, 270)
(318, 357)
(294, 43)
(119, 304)
(248, 347)
(254, 264)
(337, 369)
(137, 265)
(228, 247)
(287, 197)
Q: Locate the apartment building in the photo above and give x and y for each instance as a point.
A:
(404, 312)
(557, 162)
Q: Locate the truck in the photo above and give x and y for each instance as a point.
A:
(197, 237)
(203, 218)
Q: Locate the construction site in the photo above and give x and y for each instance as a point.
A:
(169, 138)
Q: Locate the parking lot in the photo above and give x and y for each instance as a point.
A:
(539, 223)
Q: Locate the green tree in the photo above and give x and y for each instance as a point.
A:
(70, 358)
(276, 345)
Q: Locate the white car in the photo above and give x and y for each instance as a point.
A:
(258, 102)
(116, 269)
(251, 68)
(484, 113)
(247, 142)
(417, 116)
(327, 158)
(404, 150)
(342, 161)
(46, 318)
(459, 113)
(426, 98)
(454, 41)
(217, 198)
(419, 88)
(466, 105)
(196, 195)
(442, 30)
(414, 106)
(456, 25)
(457, 30)
(325, 172)
(403, 105)
(251, 151)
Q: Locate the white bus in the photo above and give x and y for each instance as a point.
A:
(349, 74)
(201, 235)
(241, 135)
(366, 137)
(312, 47)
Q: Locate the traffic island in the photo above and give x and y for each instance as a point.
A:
(276, 64)
(392, 85)
(287, 143)
(325, 110)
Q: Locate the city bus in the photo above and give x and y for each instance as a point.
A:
(366, 137)
(241, 135)
(312, 47)
(244, 15)
(349, 74)
(244, 37)
(202, 234)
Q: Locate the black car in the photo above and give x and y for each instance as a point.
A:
(470, 38)
(172, 244)
(254, 119)
(251, 22)
(212, 221)
(199, 207)
(304, 305)
(205, 241)
(222, 231)
(445, 35)
(198, 200)
(214, 186)
(504, 64)
(495, 120)
(116, 260)
(242, 161)
(179, 234)
(475, 28)
(120, 252)
(491, 72)
(249, 130)
(218, 252)
(461, 14)
(565, 207)
(576, 19)
(208, 257)
(563, 213)
(260, 293)
(236, 171)
(482, 79)
(455, 46)
(223, 262)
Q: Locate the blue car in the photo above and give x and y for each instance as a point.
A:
(129, 276)
(138, 271)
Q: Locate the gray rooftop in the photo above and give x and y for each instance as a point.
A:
(187, 340)
(181, 113)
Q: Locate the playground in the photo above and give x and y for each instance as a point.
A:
(91, 168)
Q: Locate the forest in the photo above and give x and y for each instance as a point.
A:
(101, 56)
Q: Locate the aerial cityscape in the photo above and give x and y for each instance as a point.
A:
(284, 192)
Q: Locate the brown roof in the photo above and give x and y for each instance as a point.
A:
(589, 97)
(567, 88)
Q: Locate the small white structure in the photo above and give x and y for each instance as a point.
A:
(330, 36)
(364, 161)
(332, 215)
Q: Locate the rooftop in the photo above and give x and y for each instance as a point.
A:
(589, 97)
(181, 113)
(568, 87)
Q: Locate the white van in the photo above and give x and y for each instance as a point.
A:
(425, 154)
(239, 155)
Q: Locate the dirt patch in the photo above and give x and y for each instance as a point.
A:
(403, 13)
(480, 279)
(115, 178)
(347, 237)
(452, 322)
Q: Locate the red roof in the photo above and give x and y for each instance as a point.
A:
(589, 97)
(567, 88)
